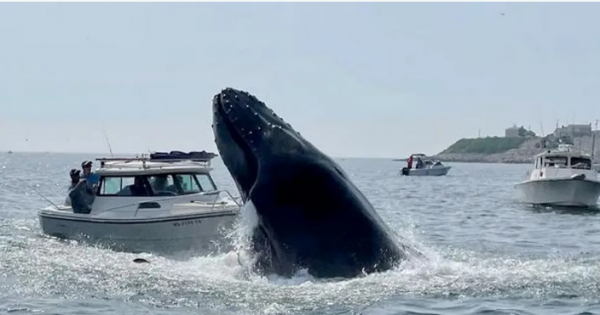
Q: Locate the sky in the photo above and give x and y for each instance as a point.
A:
(355, 79)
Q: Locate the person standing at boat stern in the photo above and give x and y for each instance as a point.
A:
(82, 197)
(90, 177)
(410, 162)
(74, 181)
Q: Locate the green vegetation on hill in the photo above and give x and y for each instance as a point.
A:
(488, 145)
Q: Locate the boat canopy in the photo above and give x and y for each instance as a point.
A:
(157, 163)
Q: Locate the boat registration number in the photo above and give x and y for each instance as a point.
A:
(189, 222)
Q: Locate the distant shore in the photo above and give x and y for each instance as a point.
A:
(503, 158)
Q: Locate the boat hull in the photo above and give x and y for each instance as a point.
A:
(200, 232)
(559, 192)
(434, 171)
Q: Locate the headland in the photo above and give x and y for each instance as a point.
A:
(519, 145)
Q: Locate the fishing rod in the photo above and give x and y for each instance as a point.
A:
(48, 200)
(107, 142)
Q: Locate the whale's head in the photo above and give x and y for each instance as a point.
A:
(247, 132)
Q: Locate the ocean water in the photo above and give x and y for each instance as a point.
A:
(485, 254)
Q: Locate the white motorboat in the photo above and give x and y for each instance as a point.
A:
(428, 168)
(163, 203)
(561, 177)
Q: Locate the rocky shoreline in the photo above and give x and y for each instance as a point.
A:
(482, 158)
(522, 155)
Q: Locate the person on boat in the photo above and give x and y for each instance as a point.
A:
(82, 197)
(90, 177)
(419, 163)
(138, 188)
(410, 162)
(160, 182)
(74, 174)
(75, 178)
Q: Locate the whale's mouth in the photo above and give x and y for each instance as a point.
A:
(232, 142)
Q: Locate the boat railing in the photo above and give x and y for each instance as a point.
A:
(148, 163)
(214, 203)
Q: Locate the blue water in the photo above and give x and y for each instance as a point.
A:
(486, 254)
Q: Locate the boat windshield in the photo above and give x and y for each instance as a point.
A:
(156, 185)
(556, 161)
(581, 163)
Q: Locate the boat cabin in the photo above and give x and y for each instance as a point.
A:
(173, 183)
(133, 182)
(143, 177)
(563, 162)
(428, 162)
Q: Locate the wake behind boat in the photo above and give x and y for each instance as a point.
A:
(561, 178)
(162, 203)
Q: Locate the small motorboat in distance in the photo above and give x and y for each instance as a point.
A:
(429, 167)
(163, 203)
(561, 178)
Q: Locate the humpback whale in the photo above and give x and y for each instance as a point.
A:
(310, 214)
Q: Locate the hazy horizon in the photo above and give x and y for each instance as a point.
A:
(363, 80)
(129, 155)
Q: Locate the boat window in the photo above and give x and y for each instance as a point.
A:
(163, 185)
(188, 183)
(581, 163)
(555, 161)
(124, 186)
(110, 185)
(206, 182)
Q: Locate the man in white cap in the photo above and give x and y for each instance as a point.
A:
(90, 177)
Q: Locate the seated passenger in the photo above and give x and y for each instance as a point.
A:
(161, 186)
(160, 182)
(137, 189)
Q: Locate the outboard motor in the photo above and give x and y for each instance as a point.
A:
(405, 171)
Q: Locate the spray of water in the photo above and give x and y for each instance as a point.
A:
(37, 266)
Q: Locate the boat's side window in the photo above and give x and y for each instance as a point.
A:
(112, 185)
(124, 186)
(187, 183)
(206, 182)
(556, 161)
(581, 163)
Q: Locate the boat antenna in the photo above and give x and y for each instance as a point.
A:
(107, 142)
(594, 139)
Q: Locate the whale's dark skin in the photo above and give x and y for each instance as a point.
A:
(310, 215)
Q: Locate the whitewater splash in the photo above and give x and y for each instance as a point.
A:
(39, 266)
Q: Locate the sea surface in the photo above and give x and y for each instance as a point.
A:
(485, 253)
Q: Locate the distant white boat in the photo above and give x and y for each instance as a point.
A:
(561, 178)
(429, 168)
